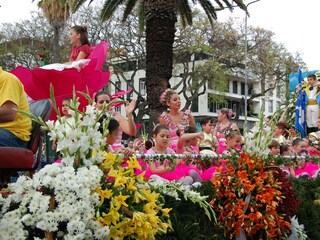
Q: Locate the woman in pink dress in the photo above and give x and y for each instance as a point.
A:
(175, 119)
(224, 124)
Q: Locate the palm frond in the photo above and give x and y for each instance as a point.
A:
(185, 12)
(76, 4)
(141, 15)
(129, 6)
(109, 8)
(209, 10)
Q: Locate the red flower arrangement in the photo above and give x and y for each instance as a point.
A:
(246, 198)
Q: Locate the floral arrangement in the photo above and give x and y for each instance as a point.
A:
(128, 206)
(246, 199)
(91, 194)
(58, 201)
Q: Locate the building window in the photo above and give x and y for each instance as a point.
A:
(243, 88)
(235, 87)
(270, 106)
(142, 86)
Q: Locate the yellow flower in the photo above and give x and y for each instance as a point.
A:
(150, 207)
(131, 185)
(111, 217)
(133, 163)
(165, 211)
(105, 194)
(150, 196)
(120, 181)
(138, 196)
(120, 200)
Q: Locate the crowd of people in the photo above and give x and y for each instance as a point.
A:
(175, 133)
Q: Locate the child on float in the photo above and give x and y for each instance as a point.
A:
(224, 125)
(80, 43)
(280, 132)
(287, 151)
(187, 144)
(209, 144)
(303, 168)
(127, 125)
(112, 136)
(66, 119)
(164, 169)
(274, 148)
(233, 141)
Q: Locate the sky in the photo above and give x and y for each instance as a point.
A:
(294, 22)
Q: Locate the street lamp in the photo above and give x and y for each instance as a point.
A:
(246, 61)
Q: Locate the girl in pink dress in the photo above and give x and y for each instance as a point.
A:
(224, 124)
(165, 168)
(303, 168)
(174, 118)
(188, 145)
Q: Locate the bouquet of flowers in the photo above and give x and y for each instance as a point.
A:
(247, 198)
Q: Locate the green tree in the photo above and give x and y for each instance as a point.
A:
(57, 13)
(159, 18)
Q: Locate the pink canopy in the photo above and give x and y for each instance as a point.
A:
(37, 81)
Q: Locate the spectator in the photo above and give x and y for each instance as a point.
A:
(15, 128)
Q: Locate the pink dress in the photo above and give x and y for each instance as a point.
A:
(220, 134)
(173, 127)
(310, 168)
(179, 171)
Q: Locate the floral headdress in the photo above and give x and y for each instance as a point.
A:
(165, 96)
(231, 114)
(231, 132)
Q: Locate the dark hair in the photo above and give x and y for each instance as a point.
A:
(313, 76)
(206, 119)
(274, 143)
(158, 128)
(100, 93)
(297, 141)
(112, 126)
(284, 148)
(148, 144)
(187, 129)
(82, 30)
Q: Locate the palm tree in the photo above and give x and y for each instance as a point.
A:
(159, 17)
(57, 13)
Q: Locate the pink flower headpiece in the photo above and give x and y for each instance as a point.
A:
(231, 114)
(164, 96)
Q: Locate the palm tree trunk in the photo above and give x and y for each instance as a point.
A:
(56, 38)
(160, 31)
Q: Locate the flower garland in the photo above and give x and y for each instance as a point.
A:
(246, 198)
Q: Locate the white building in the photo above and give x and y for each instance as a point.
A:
(234, 98)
